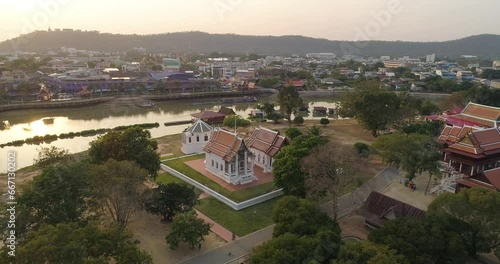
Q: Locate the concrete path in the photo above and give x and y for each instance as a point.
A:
(244, 245)
(216, 228)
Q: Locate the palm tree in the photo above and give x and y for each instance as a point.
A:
(289, 101)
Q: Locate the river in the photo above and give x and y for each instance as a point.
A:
(28, 123)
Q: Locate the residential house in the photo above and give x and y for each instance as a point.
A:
(265, 144)
(465, 75)
(379, 209)
(228, 158)
(195, 138)
(226, 111)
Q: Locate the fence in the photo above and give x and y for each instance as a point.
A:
(220, 197)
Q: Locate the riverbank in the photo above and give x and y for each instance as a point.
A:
(130, 99)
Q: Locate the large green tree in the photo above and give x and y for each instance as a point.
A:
(474, 214)
(288, 248)
(118, 188)
(300, 217)
(134, 144)
(413, 153)
(287, 170)
(168, 200)
(374, 108)
(72, 243)
(368, 253)
(420, 241)
(187, 228)
(60, 194)
(289, 101)
(235, 121)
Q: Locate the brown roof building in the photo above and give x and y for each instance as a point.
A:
(228, 158)
(210, 117)
(226, 111)
(265, 144)
(379, 208)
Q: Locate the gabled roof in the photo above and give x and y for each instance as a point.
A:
(489, 179)
(224, 144)
(472, 141)
(267, 141)
(226, 111)
(493, 177)
(453, 134)
(482, 114)
(199, 127)
(378, 206)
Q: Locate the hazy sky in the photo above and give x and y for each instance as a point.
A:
(416, 20)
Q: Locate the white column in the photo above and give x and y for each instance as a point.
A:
(472, 171)
(460, 167)
(246, 161)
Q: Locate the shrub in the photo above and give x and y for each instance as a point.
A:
(324, 121)
(362, 149)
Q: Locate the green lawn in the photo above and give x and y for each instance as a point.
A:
(237, 196)
(241, 222)
(166, 178)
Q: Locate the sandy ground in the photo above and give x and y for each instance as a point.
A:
(20, 178)
(417, 198)
(151, 231)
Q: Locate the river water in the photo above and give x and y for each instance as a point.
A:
(28, 123)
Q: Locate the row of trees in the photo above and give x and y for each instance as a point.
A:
(76, 211)
(377, 109)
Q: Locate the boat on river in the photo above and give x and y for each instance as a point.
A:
(48, 121)
(147, 104)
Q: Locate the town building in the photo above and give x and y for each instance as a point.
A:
(265, 144)
(210, 117)
(465, 76)
(195, 138)
(395, 64)
(171, 65)
(228, 158)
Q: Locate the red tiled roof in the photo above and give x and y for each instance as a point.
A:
(470, 140)
(493, 177)
(224, 144)
(482, 111)
(378, 205)
(297, 83)
(267, 141)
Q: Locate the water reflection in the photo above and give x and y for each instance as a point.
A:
(29, 123)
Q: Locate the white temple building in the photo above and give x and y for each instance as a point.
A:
(196, 137)
(264, 145)
(228, 158)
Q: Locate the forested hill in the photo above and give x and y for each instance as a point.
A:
(199, 42)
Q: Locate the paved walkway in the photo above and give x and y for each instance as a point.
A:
(216, 228)
(244, 245)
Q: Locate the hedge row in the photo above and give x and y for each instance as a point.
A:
(37, 140)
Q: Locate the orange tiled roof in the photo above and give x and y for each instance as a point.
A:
(493, 177)
(267, 141)
(482, 111)
(472, 140)
(224, 144)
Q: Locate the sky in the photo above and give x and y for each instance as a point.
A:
(407, 20)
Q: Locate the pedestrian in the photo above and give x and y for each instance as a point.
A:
(229, 254)
(234, 237)
(199, 246)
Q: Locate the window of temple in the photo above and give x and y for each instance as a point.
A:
(197, 138)
(206, 137)
(189, 139)
(212, 163)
